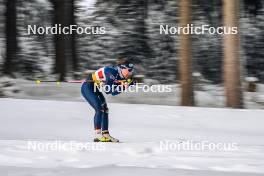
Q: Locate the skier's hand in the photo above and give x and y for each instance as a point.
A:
(132, 81)
(129, 81)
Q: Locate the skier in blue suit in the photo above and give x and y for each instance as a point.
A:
(115, 77)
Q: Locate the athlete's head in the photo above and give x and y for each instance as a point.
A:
(126, 67)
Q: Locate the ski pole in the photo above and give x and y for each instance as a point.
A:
(74, 81)
(59, 82)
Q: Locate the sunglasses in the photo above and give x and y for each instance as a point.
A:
(130, 68)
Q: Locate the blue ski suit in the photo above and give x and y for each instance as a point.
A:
(90, 90)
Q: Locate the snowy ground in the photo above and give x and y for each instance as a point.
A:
(206, 95)
(141, 128)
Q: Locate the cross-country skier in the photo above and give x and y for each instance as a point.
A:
(115, 77)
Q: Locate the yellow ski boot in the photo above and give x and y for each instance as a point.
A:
(105, 137)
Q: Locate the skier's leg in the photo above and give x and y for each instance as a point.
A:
(105, 120)
(97, 101)
(105, 133)
(104, 110)
(92, 98)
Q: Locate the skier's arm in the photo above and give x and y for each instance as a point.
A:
(110, 81)
(116, 86)
(124, 84)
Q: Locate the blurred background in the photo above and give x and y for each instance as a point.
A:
(208, 74)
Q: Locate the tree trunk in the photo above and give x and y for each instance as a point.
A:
(11, 37)
(65, 44)
(70, 43)
(187, 95)
(60, 61)
(73, 40)
(232, 81)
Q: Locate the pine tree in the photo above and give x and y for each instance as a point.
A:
(11, 37)
(232, 78)
(187, 94)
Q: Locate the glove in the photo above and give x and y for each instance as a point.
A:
(128, 82)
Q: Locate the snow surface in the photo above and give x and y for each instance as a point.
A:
(206, 95)
(140, 127)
